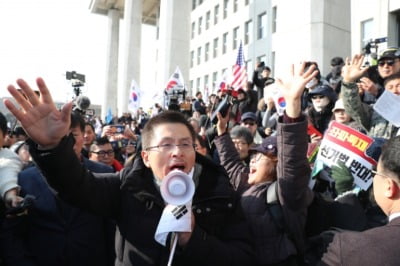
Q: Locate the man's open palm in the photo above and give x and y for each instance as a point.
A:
(38, 115)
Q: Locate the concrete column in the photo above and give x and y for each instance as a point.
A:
(173, 43)
(131, 53)
(110, 95)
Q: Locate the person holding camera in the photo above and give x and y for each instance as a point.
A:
(261, 78)
(218, 234)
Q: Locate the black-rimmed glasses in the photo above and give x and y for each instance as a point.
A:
(103, 153)
(167, 147)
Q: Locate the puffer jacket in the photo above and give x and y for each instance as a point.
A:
(273, 245)
(220, 237)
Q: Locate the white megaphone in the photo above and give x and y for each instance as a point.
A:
(177, 188)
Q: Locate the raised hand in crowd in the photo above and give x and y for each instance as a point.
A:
(42, 121)
(368, 85)
(353, 69)
(293, 87)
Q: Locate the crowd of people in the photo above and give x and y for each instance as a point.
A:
(260, 196)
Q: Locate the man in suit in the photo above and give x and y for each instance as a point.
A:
(377, 246)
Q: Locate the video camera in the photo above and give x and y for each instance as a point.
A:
(174, 97)
(222, 107)
(373, 43)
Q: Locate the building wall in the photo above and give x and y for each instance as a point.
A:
(173, 40)
(233, 20)
(311, 30)
(385, 16)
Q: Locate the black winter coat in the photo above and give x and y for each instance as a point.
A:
(220, 237)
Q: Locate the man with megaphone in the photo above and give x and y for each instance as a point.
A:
(217, 233)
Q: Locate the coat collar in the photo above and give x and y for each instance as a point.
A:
(210, 180)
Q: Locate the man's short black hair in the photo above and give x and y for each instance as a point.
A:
(163, 118)
(309, 64)
(238, 132)
(337, 61)
(90, 125)
(202, 141)
(3, 123)
(391, 77)
(19, 131)
(77, 121)
(99, 141)
(390, 156)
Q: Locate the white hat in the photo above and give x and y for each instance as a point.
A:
(338, 105)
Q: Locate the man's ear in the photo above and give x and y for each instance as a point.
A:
(392, 188)
(145, 157)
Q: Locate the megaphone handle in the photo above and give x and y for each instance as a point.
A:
(171, 254)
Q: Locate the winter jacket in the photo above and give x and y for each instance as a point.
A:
(54, 232)
(272, 243)
(220, 236)
(10, 165)
(365, 115)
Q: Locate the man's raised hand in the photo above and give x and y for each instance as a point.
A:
(38, 115)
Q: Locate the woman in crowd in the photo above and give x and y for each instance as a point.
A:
(281, 161)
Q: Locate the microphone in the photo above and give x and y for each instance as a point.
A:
(82, 102)
(177, 188)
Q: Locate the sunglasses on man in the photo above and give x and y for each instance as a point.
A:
(389, 62)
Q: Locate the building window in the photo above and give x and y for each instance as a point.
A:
(224, 42)
(216, 14)
(223, 71)
(262, 26)
(214, 79)
(199, 55)
(194, 4)
(191, 58)
(274, 16)
(206, 86)
(272, 64)
(396, 25)
(197, 84)
(215, 48)
(262, 58)
(200, 25)
(246, 2)
(191, 85)
(208, 18)
(235, 5)
(226, 3)
(235, 37)
(249, 67)
(200, 2)
(248, 32)
(193, 29)
(207, 51)
(366, 31)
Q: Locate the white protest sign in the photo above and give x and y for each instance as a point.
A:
(344, 144)
(387, 107)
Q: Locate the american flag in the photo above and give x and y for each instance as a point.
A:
(239, 70)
